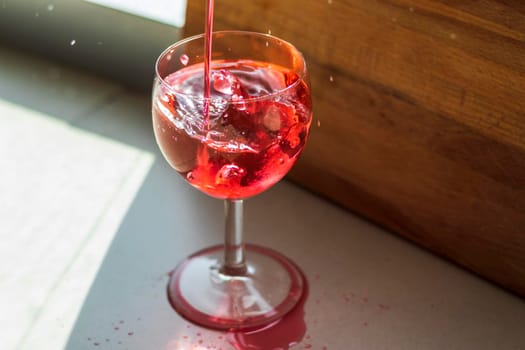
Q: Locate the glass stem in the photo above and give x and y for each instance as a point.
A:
(234, 263)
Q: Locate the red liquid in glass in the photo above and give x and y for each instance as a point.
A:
(253, 131)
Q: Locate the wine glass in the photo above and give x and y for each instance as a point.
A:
(236, 142)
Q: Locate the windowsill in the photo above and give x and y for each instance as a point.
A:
(367, 288)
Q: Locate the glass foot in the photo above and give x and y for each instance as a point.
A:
(270, 288)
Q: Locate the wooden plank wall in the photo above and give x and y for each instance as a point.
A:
(419, 118)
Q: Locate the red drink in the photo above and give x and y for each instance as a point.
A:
(245, 138)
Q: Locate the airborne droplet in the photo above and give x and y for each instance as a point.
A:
(72, 42)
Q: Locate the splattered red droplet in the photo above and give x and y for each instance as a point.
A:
(384, 307)
(116, 328)
(130, 333)
(96, 344)
(184, 59)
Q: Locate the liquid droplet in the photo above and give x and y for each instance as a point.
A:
(330, 2)
(453, 36)
(318, 123)
(37, 14)
(72, 42)
(269, 31)
(184, 59)
(384, 307)
(267, 44)
(50, 7)
(331, 79)
(239, 104)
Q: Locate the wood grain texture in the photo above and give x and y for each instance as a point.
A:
(421, 106)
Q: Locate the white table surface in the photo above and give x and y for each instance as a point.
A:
(92, 219)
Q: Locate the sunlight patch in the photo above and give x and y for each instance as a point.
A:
(171, 12)
(64, 193)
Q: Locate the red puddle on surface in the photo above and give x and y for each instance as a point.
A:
(283, 334)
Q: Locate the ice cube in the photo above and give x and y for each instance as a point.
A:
(230, 174)
(184, 59)
(226, 83)
(272, 119)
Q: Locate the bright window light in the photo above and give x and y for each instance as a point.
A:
(171, 12)
(64, 193)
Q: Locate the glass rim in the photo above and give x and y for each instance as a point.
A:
(301, 74)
